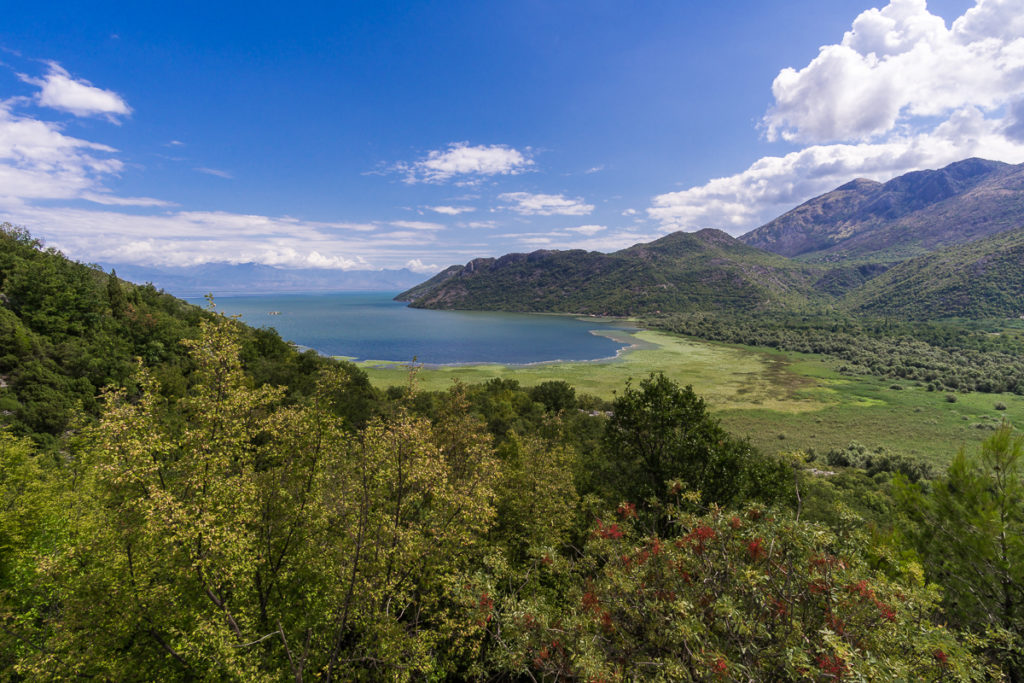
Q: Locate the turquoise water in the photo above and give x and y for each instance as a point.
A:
(370, 326)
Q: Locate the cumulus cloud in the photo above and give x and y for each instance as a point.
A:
(902, 62)
(38, 161)
(417, 266)
(528, 204)
(901, 91)
(466, 163)
(58, 90)
(451, 210)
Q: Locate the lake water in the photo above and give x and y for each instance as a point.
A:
(370, 326)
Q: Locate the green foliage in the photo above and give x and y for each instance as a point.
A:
(263, 540)
(969, 531)
(556, 395)
(877, 461)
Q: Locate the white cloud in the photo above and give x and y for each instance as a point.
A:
(629, 212)
(58, 90)
(37, 161)
(900, 92)
(468, 163)
(185, 238)
(529, 204)
(609, 242)
(451, 210)
(587, 229)
(112, 200)
(478, 224)
(417, 266)
(899, 63)
(417, 225)
(215, 172)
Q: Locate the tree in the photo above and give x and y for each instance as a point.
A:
(969, 532)
(659, 432)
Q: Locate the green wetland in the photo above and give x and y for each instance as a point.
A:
(779, 400)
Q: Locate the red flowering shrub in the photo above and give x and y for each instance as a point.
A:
(766, 599)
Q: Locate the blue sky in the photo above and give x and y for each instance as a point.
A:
(390, 134)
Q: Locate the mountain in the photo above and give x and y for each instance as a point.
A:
(679, 272)
(904, 217)
(981, 279)
(254, 278)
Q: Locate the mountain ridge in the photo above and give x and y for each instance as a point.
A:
(680, 271)
(906, 216)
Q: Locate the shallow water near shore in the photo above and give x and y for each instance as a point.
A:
(371, 326)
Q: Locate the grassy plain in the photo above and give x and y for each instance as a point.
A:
(780, 400)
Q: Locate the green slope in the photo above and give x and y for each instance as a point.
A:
(982, 279)
(67, 330)
(707, 270)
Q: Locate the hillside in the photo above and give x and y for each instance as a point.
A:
(67, 330)
(904, 217)
(976, 280)
(679, 272)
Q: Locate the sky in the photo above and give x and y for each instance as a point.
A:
(374, 134)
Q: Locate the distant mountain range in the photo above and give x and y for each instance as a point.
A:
(912, 214)
(928, 244)
(254, 278)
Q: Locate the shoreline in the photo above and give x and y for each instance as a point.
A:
(629, 338)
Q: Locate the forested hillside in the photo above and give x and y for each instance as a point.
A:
(227, 508)
(67, 330)
(679, 272)
(981, 279)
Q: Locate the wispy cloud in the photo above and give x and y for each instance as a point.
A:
(417, 225)
(58, 90)
(215, 172)
(465, 163)
(528, 204)
(112, 200)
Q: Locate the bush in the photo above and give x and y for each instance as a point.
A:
(1000, 405)
(951, 398)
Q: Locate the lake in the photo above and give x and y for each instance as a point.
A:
(371, 326)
